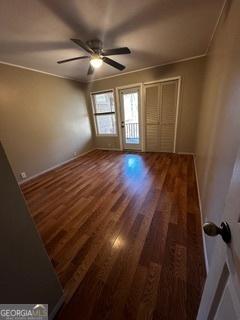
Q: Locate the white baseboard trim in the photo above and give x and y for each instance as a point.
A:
(201, 214)
(54, 167)
(118, 149)
(56, 308)
(109, 149)
(186, 153)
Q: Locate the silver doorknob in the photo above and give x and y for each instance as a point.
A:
(212, 230)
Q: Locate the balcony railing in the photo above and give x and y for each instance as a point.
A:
(132, 133)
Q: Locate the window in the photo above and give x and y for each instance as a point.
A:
(104, 113)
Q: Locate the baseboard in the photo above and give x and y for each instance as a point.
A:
(201, 214)
(109, 149)
(186, 153)
(56, 308)
(54, 167)
(118, 149)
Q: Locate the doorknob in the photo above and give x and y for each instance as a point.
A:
(212, 230)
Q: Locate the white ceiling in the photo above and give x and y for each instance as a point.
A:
(36, 33)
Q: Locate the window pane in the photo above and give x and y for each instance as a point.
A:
(130, 105)
(104, 102)
(130, 102)
(106, 124)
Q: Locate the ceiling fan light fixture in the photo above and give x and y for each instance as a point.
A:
(98, 55)
(96, 61)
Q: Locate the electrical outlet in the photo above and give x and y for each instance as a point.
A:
(23, 175)
(75, 153)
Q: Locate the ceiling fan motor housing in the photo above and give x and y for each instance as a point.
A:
(96, 45)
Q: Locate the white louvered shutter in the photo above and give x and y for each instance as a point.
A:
(160, 111)
(152, 102)
(168, 115)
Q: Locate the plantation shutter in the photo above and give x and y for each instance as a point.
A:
(152, 103)
(160, 108)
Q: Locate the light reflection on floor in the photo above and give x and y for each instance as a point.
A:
(118, 243)
(134, 167)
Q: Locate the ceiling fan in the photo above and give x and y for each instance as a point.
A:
(98, 55)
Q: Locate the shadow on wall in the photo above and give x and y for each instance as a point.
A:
(163, 72)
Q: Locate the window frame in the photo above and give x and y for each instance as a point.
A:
(94, 114)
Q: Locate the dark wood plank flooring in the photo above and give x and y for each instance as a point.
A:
(123, 231)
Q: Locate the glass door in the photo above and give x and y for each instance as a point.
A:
(130, 118)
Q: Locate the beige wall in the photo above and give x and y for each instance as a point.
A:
(192, 73)
(218, 137)
(43, 119)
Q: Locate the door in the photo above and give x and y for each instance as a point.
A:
(130, 118)
(221, 295)
(161, 116)
(26, 273)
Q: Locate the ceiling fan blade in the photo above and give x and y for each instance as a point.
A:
(90, 70)
(83, 45)
(111, 52)
(72, 59)
(113, 63)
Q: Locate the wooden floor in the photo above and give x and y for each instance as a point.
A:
(123, 232)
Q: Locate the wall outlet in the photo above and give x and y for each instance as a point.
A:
(23, 175)
(75, 153)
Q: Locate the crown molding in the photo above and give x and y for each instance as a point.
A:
(151, 67)
(216, 27)
(39, 71)
(107, 77)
